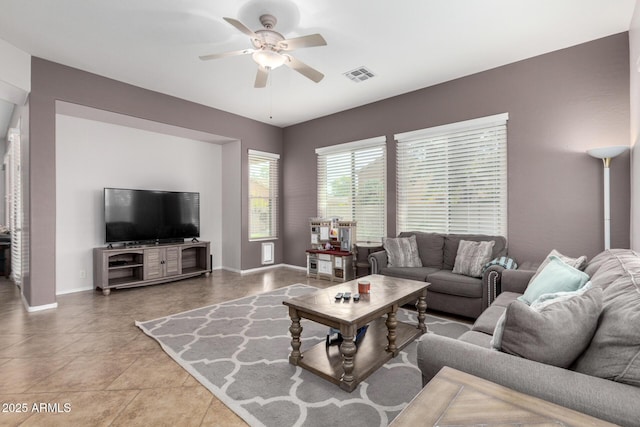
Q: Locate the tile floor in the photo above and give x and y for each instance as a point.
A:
(93, 367)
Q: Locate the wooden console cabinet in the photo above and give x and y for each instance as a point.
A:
(148, 265)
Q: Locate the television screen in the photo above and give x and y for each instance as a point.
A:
(147, 215)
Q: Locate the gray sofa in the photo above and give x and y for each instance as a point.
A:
(604, 381)
(449, 292)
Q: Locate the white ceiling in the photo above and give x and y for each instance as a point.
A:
(408, 44)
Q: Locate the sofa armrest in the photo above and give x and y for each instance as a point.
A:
(377, 261)
(605, 399)
(491, 284)
(515, 280)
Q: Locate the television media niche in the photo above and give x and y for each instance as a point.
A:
(150, 216)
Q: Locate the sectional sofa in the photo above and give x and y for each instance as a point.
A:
(602, 381)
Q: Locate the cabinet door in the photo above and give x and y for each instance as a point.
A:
(325, 267)
(172, 261)
(153, 263)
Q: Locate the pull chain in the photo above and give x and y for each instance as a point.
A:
(271, 97)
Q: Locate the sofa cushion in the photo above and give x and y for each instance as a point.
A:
(476, 338)
(452, 241)
(614, 352)
(472, 256)
(447, 282)
(554, 333)
(488, 320)
(612, 265)
(557, 276)
(505, 298)
(430, 247)
(402, 251)
(412, 273)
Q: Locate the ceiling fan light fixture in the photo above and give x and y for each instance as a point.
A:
(268, 58)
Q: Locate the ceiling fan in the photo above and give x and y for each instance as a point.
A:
(270, 49)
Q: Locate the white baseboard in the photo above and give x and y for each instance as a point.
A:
(268, 267)
(35, 308)
(72, 291)
(258, 269)
(295, 267)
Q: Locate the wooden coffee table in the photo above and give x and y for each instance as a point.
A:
(347, 365)
(455, 398)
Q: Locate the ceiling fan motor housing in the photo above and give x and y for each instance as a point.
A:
(268, 21)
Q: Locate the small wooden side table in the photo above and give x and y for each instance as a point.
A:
(457, 398)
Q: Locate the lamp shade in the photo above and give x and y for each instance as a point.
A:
(607, 152)
(269, 58)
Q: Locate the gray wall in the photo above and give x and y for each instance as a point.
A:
(51, 82)
(559, 104)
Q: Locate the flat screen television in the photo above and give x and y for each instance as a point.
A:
(150, 216)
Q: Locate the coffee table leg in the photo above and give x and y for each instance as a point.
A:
(421, 305)
(348, 350)
(391, 323)
(296, 330)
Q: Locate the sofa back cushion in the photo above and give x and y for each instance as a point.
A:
(429, 247)
(452, 241)
(614, 351)
(610, 265)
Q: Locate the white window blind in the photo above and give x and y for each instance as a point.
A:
(453, 178)
(263, 195)
(352, 185)
(14, 211)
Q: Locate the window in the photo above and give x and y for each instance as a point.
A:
(263, 195)
(13, 206)
(453, 178)
(352, 185)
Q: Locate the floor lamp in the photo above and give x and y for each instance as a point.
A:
(606, 154)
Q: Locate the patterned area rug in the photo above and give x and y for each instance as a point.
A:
(239, 350)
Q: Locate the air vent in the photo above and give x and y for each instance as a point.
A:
(360, 74)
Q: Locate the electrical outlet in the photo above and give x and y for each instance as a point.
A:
(83, 274)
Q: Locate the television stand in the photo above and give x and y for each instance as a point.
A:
(126, 267)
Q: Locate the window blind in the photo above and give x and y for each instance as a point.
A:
(453, 178)
(263, 195)
(14, 212)
(352, 185)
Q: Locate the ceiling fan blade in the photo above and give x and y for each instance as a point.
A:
(225, 54)
(304, 69)
(241, 27)
(311, 40)
(261, 77)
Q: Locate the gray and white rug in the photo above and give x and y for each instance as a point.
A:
(239, 350)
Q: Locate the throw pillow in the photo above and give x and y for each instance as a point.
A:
(546, 299)
(579, 263)
(472, 256)
(555, 333)
(402, 252)
(555, 277)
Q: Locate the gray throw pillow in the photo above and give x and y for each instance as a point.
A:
(472, 256)
(402, 252)
(614, 351)
(556, 333)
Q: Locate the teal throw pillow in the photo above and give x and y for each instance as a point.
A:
(555, 277)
